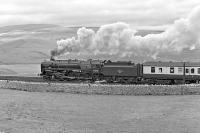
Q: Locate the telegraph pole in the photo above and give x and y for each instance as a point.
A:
(184, 72)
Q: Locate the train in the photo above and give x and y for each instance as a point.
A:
(123, 72)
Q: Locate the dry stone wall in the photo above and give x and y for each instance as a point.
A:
(104, 89)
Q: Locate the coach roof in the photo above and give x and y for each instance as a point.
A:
(172, 64)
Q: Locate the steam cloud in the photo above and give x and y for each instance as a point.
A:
(120, 41)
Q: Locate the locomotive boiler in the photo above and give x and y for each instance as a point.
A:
(70, 69)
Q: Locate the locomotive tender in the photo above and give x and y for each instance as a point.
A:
(121, 72)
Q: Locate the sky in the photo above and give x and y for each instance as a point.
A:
(94, 12)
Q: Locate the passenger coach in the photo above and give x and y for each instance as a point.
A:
(171, 72)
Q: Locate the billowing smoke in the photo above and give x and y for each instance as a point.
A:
(120, 41)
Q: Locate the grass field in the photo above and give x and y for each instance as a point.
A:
(37, 112)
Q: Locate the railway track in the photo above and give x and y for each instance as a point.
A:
(22, 78)
(33, 79)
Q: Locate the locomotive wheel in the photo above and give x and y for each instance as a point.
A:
(46, 77)
(101, 77)
(71, 74)
(95, 77)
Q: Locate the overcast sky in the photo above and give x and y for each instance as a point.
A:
(94, 12)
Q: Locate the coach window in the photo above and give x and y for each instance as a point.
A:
(192, 70)
(186, 70)
(180, 70)
(198, 70)
(171, 69)
(152, 69)
(160, 70)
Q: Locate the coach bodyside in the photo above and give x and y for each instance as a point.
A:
(192, 72)
(171, 72)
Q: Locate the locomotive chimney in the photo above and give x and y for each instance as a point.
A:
(52, 58)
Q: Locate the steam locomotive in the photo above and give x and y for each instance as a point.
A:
(121, 72)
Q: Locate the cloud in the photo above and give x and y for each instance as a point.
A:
(120, 41)
(90, 12)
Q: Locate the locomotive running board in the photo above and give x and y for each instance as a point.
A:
(73, 78)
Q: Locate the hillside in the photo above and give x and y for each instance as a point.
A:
(30, 43)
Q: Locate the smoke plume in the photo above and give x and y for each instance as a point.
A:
(120, 41)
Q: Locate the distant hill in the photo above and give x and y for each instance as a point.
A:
(32, 43)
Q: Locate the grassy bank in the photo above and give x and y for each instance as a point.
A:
(103, 89)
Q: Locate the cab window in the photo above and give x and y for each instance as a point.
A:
(152, 69)
(171, 69)
(186, 70)
(192, 70)
(160, 70)
(198, 70)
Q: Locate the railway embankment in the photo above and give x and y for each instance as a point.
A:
(102, 89)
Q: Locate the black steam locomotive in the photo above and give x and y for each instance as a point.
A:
(121, 72)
